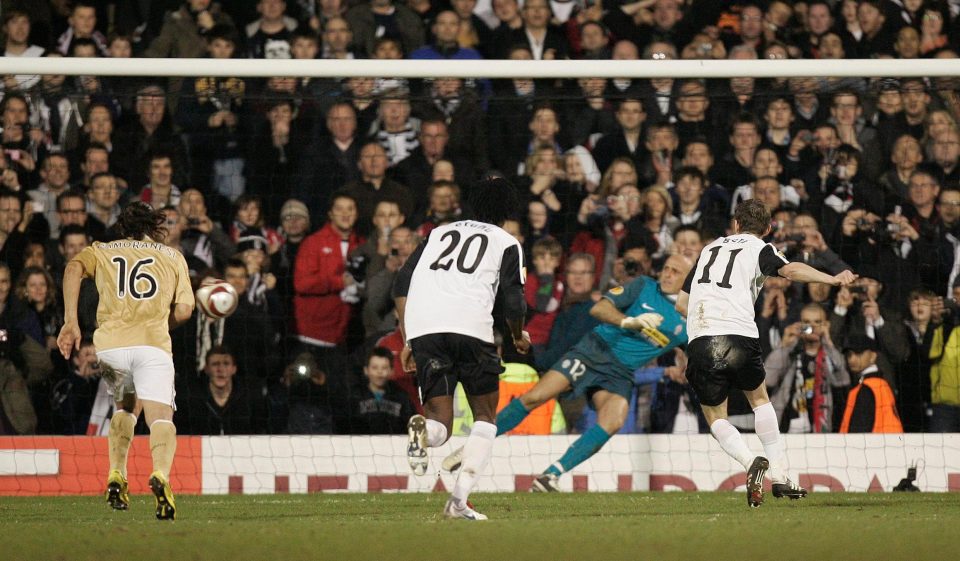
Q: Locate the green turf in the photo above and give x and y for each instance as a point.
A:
(564, 526)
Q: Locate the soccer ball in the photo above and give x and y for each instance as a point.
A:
(217, 298)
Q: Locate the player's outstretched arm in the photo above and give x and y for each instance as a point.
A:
(801, 272)
(180, 314)
(69, 337)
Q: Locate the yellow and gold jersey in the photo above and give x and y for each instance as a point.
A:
(138, 281)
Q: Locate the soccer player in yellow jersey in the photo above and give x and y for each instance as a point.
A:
(145, 290)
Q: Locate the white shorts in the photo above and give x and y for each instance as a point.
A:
(150, 369)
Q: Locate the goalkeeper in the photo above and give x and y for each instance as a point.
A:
(638, 324)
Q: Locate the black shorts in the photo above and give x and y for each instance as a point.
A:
(443, 359)
(720, 362)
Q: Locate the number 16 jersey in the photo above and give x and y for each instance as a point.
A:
(457, 273)
(725, 283)
(137, 282)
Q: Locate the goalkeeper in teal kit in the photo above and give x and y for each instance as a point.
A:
(638, 323)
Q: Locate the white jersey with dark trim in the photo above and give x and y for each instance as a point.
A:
(456, 276)
(725, 283)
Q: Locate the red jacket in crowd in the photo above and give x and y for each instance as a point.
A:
(318, 279)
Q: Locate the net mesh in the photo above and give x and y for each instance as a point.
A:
(609, 168)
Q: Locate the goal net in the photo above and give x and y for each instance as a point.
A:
(620, 164)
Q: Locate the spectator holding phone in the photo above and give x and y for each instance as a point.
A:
(857, 311)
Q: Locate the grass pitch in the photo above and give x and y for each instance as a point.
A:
(397, 527)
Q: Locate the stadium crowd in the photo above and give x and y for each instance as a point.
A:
(307, 195)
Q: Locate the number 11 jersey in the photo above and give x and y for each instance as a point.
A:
(725, 283)
(137, 282)
(457, 273)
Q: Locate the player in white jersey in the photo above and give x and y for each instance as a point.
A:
(144, 289)
(724, 351)
(445, 294)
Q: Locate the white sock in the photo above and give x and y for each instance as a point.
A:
(732, 443)
(767, 428)
(436, 433)
(476, 455)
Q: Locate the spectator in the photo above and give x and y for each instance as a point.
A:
(203, 239)
(594, 41)
(55, 172)
(693, 116)
(546, 42)
(378, 311)
(945, 374)
(623, 88)
(945, 155)
(23, 369)
(871, 406)
(185, 31)
(269, 36)
(150, 132)
(160, 191)
(698, 154)
(811, 247)
(877, 39)
(692, 205)
(416, 170)
(544, 179)
(806, 375)
(223, 405)
(249, 330)
(847, 114)
(446, 31)
(656, 210)
(379, 405)
(386, 218)
(444, 206)
(325, 290)
(735, 168)
(359, 93)
(83, 23)
(508, 17)
(395, 129)
(858, 311)
(212, 113)
(72, 211)
(294, 226)
(913, 374)
(661, 144)
(313, 396)
(103, 205)
(543, 292)
(590, 116)
(36, 289)
(382, 18)
(374, 186)
(474, 32)
(75, 394)
(335, 159)
(16, 29)
(337, 39)
(906, 156)
(458, 106)
(275, 156)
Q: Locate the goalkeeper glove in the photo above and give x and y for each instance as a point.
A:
(655, 337)
(642, 322)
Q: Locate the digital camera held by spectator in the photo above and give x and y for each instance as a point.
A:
(357, 267)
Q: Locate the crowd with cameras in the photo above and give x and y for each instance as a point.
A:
(308, 195)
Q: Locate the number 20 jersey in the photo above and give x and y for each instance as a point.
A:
(725, 283)
(137, 282)
(459, 269)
